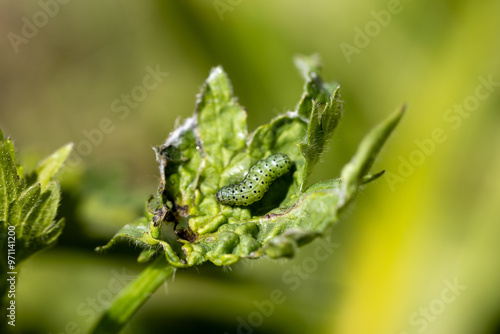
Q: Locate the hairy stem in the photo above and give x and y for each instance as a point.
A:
(130, 299)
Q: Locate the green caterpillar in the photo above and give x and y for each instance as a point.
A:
(256, 182)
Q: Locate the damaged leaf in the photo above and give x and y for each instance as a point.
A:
(213, 149)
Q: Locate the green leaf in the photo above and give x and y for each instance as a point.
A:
(323, 121)
(49, 167)
(21, 209)
(9, 145)
(139, 233)
(30, 209)
(281, 135)
(10, 182)
(356, 171)
(33, 215)
(221, 121)
(321, 104)
(179, 162)
(213, 149)
(43, 225)
(309, 216)
(315, 90)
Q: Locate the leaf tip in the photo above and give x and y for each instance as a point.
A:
(215, 72)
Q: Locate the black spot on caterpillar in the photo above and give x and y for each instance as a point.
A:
(256, 182)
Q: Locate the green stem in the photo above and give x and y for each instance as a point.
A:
(131, 298)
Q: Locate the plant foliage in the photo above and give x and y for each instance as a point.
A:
(213, 148)
(28, 202)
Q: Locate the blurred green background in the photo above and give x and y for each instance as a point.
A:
(434, 222)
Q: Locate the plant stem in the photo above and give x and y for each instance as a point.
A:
(131, 298)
